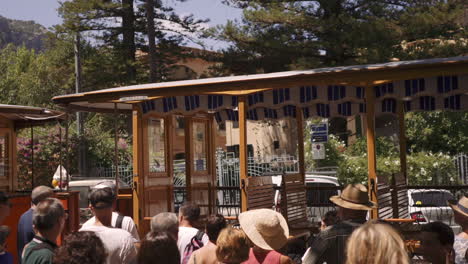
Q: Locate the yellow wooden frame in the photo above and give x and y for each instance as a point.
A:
(167, 132)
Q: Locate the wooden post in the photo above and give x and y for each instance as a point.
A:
(188, 158)
(300, 142)
(32, 157)
(402, 138)
(137, 168)
(243, 159)
(371, 155)
(67, 152)
(60, 155)
(116, 149)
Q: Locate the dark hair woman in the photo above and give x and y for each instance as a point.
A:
(81, 247)
(158, 247)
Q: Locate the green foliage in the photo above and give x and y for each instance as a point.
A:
(27, 78)
(445, 132)
(42, 157)
(423, 167)
(291, 34)
(124, 38)
(426, 168)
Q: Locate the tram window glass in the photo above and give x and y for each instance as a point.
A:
(4, 156)
(157, 146)
(199, 145)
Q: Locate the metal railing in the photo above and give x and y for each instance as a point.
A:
(125, 173)
(461, 163)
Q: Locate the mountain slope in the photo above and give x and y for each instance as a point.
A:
(20, 32)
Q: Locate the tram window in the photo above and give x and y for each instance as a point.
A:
(199, 146)
(4, 156)
(156, 142)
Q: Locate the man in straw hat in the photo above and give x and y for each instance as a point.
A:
(329, 246)
(460, 212)
(269, 232)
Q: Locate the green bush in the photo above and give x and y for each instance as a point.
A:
(423, 168)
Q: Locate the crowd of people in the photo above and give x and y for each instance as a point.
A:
(346, 235)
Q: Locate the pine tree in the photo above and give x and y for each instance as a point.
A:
(279, 35)
(123, 25)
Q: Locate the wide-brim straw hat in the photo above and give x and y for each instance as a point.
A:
(355, 197)
(266, 228)
(460, 207)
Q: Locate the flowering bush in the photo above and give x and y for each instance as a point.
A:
(46, 148)
(44, 154)
(426, 168)
(423, 168)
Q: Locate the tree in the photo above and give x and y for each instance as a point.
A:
(288, 34)
(445, 132)
(100, 19)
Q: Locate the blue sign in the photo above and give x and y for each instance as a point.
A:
(319, 133)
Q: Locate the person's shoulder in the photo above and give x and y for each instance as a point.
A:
(89, 222)
(39, 256)
(26, 215)
(127, 220)
(187, 230)
(122, 233)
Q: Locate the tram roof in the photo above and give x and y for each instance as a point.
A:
(122, 98)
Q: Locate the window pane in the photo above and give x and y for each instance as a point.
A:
(4, 156)
(156, 142)
(199, 145)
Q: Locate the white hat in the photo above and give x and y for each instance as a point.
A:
(266, 228)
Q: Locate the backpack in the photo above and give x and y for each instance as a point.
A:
(195, 243)
(118, 222)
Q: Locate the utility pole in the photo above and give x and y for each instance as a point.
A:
(79, 116)
(151, 41)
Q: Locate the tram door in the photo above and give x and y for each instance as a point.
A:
(157, 169)
(5, 160)
(201, 163)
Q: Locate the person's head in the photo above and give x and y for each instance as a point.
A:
(158, 247)
(101, 203)
(437, 241)
(39, 193)
(460, 212)
(267, 229)
(214, 224)
(189, 213)
(80, 248)
(232, 246)
(4, 206)
(330, 218)
(165, 222)
(375, 243)
(353, 202)
(4, 233)
(49, 217)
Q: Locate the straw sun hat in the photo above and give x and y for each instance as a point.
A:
(460, 207)
(355, 197)
(266, 228)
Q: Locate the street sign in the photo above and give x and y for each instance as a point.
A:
(319, 133)
(318, 151)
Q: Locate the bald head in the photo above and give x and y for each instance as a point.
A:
(40, 193)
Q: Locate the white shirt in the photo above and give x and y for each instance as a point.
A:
(185, 236)
(127, 224)
(120, 244)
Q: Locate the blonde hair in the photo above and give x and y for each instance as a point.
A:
(232, 246)
(376, 243)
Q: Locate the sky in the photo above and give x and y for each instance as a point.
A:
(45, 13)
